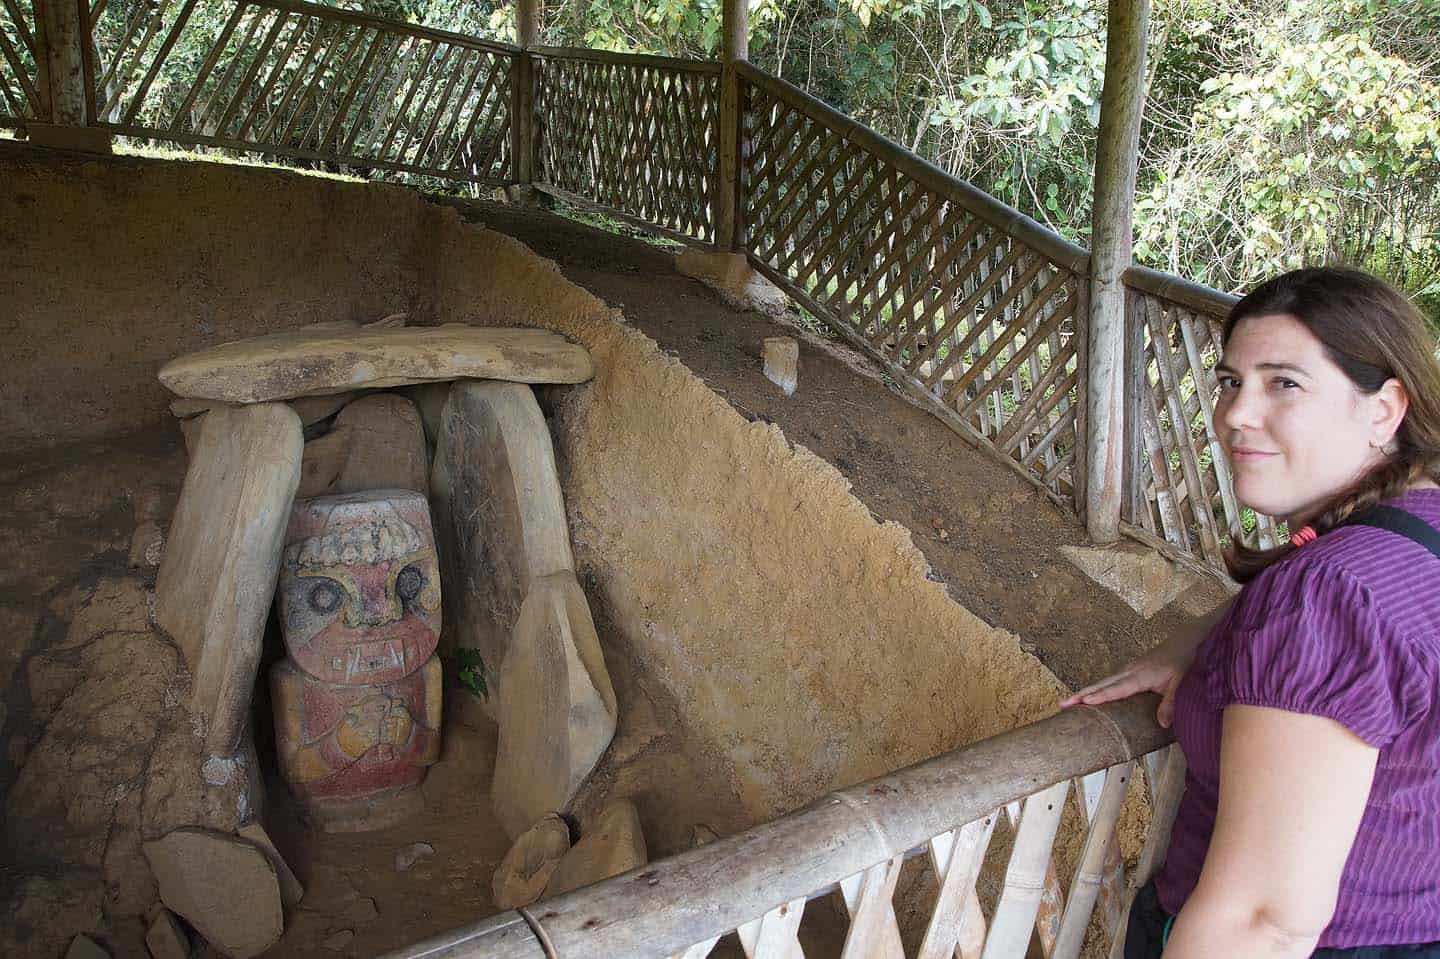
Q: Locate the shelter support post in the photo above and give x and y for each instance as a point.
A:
(1111, 246)
(734, 47)
(522, 124)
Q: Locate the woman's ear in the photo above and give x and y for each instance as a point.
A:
(1388, 406)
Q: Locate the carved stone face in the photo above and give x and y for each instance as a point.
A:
(360, 586)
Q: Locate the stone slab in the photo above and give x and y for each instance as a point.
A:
(613, 844)
(385, 448)
(734, 279)
(283, 366)
(499, 513)
(531, 861)
(291, 891)
(781, 358)
(558, 713)
(1146, 581)
(320, 465)
(225, 887)
(218, 573)
(166, 940)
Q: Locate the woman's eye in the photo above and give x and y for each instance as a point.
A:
(1229, 383)
(1286, 384)
(325, 597)
(409, 582)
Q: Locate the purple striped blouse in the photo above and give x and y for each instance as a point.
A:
(1347, 627)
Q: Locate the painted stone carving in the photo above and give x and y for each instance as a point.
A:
(358, 698)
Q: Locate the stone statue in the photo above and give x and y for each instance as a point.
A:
(357, 700)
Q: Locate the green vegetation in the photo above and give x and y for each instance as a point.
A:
(470, 671)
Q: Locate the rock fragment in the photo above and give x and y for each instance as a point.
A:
(406, 858)
(291, 892)
(224, 886)
(781, 355)
(339, 941)
(283, 366)
(558, 713)
(613, 844)
(166, 939)
(531, 861)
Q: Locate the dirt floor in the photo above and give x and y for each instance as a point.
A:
(991, 538)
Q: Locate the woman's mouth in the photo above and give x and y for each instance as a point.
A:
(1246, 454)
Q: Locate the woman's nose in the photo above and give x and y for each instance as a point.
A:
(1237, 410)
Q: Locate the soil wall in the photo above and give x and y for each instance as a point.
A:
(804, 642)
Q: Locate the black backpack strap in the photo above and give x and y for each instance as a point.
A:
(1399, 521)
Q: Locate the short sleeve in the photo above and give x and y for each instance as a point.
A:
(1310, 640)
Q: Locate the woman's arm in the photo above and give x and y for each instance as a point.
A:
(1293, 788)
(1158, 671)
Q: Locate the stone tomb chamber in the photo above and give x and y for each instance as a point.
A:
(656, 620)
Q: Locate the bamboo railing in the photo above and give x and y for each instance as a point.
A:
(1177, 482)
(306, 82)
(755, 885)
(636, 136)
(975, 308)
(976, 311)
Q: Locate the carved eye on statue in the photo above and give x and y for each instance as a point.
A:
(409, 583)
(325, 597)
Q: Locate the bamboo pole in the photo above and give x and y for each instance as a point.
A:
(734, 47)
(663, 908)
(62, 60)
(1112, 223)
(522, 91)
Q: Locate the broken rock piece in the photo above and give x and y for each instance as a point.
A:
(291, 892)
(781, 355)
(558, 713)
(531, 861)
(314, 362)
(225, 887)
(612, 845)
(166, 939)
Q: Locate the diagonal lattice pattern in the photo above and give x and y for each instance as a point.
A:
(1179, 484)
(22, 96)
(962, 310)
(303, 81)
(637, 138)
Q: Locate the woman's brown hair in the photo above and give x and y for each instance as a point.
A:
(1373, 333)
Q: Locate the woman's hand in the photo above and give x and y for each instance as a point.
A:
(1158, 671)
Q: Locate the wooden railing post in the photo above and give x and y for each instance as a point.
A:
(1111, 243)
(62, 60)
(734, 47)
(522, 123)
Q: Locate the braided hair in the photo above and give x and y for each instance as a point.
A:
(1374, 334)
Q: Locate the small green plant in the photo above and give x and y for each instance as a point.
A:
(472, 672)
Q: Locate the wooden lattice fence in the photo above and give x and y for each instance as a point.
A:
(635, 136)
(1178, 483)
(303, 81)
(23, 92)
(968, 303)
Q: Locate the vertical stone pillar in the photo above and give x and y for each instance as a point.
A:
(1112, 239)
(734, 45)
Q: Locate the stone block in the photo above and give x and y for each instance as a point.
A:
(531, 861)
(321, 463)
(225, 887)
(385, 448)
(558, 712)
(734, 279)
(166, 939)
(613, 844)
(1146, 581)
(499, 514)
(291, 892)
(218, 573)
(283, 366)
(781, 356)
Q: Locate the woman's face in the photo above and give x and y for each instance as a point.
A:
(1296, 428)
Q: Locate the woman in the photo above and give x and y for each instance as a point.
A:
(1309, 713)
